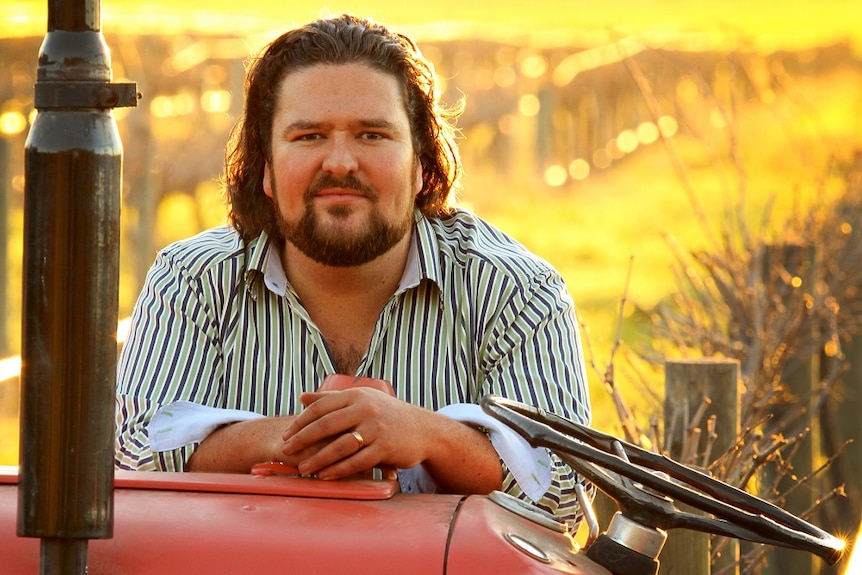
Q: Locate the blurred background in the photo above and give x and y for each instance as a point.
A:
(619, 140)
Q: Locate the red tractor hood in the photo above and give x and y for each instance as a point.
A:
(223, 523)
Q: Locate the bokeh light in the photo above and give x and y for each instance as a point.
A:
(556, 175)
(534, 66)
(668, 126)
(173, 105)
(602, 159)
(215, 101)
(648, 133)
(579, 169)
(529, 105)
(12, 123)
(627, 141)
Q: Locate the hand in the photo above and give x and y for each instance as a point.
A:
(394, 433)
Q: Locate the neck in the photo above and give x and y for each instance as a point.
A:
(374, 280)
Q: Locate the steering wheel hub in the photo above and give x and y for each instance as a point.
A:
(647, 541)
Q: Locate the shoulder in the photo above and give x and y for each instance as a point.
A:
(212, 248)
(468, 241)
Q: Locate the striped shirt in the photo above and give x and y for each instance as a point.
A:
(475, 313)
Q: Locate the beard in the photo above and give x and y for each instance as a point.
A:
(334, 246)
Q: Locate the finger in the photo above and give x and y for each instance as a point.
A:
(360, 441)
(316, 405)
(327, 429)
(315, 410)
(295, 458)
(333, 413)
(306, 398)
(345, 455)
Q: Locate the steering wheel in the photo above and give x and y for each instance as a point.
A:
(612, 465)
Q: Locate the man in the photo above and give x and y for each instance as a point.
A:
(344, 255)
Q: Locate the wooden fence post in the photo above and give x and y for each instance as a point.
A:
(686, 552)
(850, 425)
(702, 421)
(840, 422)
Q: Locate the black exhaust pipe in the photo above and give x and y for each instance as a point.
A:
(73, 171)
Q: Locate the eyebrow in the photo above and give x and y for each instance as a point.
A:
(302, 125)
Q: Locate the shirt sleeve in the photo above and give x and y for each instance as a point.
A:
(172, 353)
(532, 353)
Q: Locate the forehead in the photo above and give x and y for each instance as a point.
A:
(324, 90)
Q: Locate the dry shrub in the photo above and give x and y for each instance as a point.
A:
(785, 310)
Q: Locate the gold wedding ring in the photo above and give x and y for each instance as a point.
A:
(359, 439)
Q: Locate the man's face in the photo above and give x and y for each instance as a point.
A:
(344, 174)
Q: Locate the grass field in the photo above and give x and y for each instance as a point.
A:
(593, 229)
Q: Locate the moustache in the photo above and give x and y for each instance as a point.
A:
(348, 182)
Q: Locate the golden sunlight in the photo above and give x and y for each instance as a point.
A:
(854, 564)
(769, 23)
(10, 367)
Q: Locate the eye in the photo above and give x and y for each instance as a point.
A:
(307, 137)
(374, 136)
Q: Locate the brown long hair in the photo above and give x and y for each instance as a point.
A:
(340, 40)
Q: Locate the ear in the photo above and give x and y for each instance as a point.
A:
(267, 180)
(418, 181)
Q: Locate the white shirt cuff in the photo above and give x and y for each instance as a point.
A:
(184, 422)
(531, 466)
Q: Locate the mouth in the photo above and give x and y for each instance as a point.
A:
(340, 195)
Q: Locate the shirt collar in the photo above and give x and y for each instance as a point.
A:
(427, 250)
(258, 250)
(422, 262)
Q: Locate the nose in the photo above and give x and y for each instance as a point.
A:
(341, 158)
